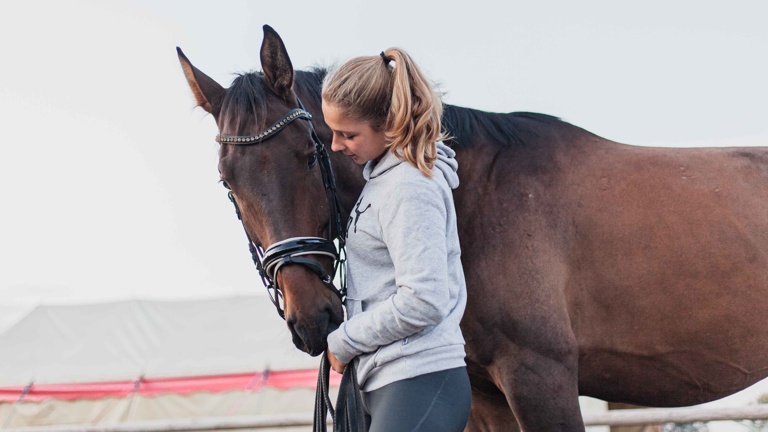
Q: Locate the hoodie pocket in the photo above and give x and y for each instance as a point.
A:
(353, 307)
(387, 353)
(414, 343)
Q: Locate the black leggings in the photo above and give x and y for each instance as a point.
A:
(434, 402)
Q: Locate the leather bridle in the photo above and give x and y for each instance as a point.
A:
(298, 250)
(348, 415)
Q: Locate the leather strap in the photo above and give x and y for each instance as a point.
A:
(348, 415)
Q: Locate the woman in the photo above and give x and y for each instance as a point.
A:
(406, 289)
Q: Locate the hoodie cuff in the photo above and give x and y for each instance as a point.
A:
(339, 345)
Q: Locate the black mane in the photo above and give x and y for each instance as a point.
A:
(310, 82)
(245, 100)
(503, 129)
(247, 96)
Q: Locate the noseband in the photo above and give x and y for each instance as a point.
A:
(296, 250)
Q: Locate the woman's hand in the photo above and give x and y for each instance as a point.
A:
(336, 364)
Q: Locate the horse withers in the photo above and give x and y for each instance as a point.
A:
(630, 274)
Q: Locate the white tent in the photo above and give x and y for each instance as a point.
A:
(136, 360)
(147, 360)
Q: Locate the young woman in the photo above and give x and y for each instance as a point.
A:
(406, 289)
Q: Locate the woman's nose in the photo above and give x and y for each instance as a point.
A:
(336, 144)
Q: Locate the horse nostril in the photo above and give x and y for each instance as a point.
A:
(291, 321)
(334, 320)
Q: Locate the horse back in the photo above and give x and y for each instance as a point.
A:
(652, 261)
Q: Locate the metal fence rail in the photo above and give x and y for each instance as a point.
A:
(612, 418)
(650, 416)
(185, 425)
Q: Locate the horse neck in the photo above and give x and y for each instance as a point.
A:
(349, 181)
(349, 177)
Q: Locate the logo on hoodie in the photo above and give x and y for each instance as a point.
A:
(357, 213)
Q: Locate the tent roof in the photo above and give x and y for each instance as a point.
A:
(152, 339)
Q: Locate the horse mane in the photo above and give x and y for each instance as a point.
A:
(245, 100)
(464, 126)
(310, 82)
(247, 95)
(503, 129)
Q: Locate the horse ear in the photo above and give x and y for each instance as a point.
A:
(208, 92)
(275, 63)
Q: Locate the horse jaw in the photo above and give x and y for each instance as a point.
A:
(312, 310)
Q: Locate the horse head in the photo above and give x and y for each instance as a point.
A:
(272, 163)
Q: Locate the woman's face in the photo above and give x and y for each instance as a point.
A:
(358, 140)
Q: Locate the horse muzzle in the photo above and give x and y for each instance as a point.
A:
(311, 335)
(312, 310)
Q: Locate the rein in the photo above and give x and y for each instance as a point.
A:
(348, 415)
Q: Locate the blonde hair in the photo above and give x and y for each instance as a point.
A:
(398, 99)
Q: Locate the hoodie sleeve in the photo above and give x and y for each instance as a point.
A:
(413, 224)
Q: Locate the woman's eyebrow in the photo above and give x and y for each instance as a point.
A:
(344, 132)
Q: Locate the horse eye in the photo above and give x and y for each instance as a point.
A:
(223, 183)
(312, 160)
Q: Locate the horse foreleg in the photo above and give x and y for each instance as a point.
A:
(490, 410)
(542, 391)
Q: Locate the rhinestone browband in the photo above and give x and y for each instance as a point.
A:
(267, 133)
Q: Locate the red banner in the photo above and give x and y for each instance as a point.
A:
(282, 380)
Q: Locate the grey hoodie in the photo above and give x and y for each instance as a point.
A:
(406, 289)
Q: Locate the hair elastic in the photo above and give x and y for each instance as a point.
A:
(386, 59)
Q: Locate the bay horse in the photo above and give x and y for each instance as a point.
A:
(630, 274)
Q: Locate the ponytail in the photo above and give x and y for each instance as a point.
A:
(397, 99)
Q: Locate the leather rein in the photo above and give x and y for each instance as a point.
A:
(295, 250)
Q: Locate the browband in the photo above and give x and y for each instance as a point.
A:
(269, 132)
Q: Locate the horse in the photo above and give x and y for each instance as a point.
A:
(630, 274)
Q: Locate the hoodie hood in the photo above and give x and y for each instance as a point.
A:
(446, 163)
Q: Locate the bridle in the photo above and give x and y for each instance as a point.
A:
(348, 415)
(295, 250)
(349, 410)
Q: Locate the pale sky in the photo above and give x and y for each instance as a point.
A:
(109, 179)
(108, 175)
